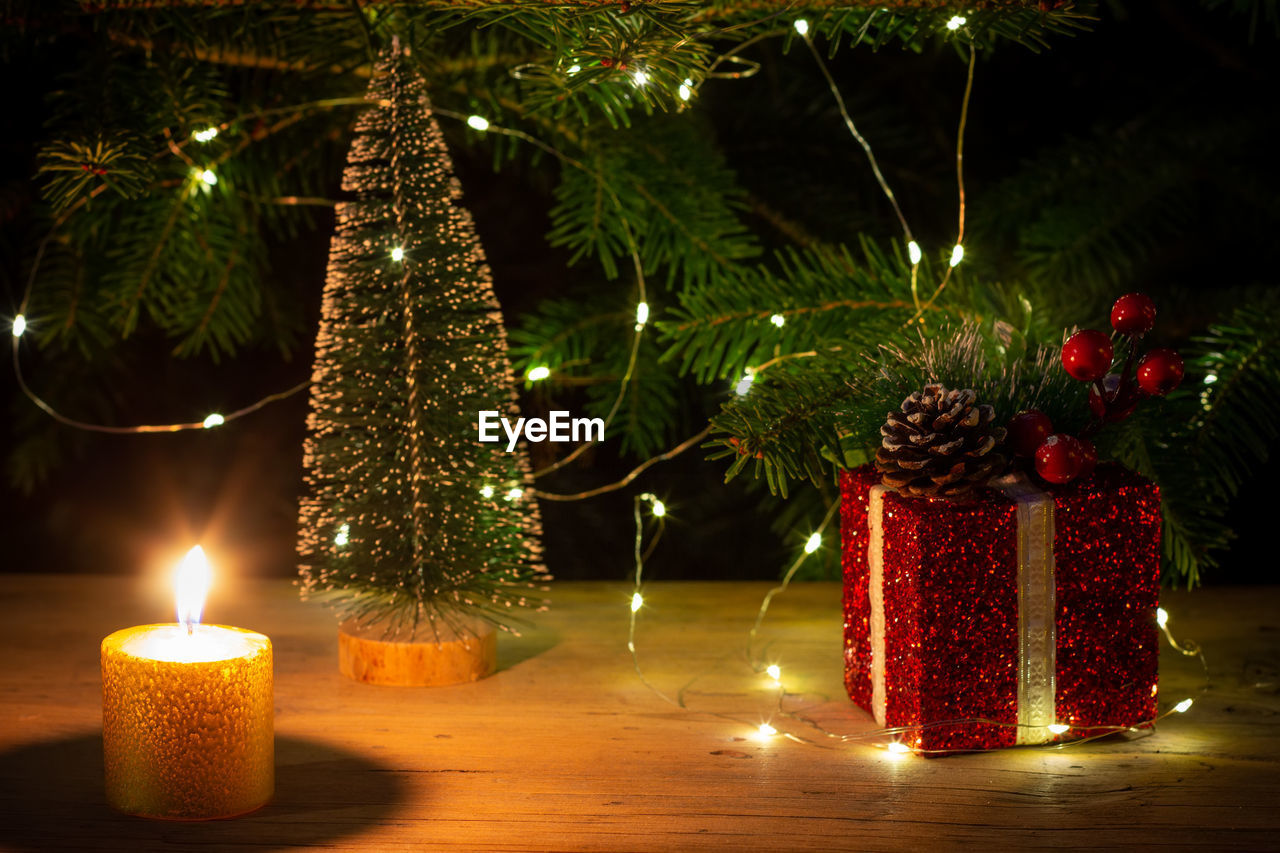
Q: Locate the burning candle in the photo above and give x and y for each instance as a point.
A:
(187, 730)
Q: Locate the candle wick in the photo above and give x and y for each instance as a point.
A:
(191, 628)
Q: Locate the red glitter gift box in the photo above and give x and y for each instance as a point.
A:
(982, 624)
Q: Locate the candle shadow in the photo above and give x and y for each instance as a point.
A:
(51, 798)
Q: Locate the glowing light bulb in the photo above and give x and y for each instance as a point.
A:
(642, 315)
(480, 123)
(778, 320)
(19, 325)
(208, 177)
(637, 601)
(343, 536)
(914, 253)
(1162, 617)
(214, 420)
(1182, 706)
(191, 581)
(1058, 728)
(538, 373)
(813, 543)
(659, 508)
(957, 254)
(802, 26)
(898, 748)
(486, 491)
(205, 135)
(956, 23)
(744, 384)
(774, 671)
(515, 494)
(397, 254)
(686, 90)
(575, 68)
(766, 730)
(640, 78)
(1210, 378)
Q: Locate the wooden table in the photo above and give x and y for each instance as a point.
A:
(566, 748)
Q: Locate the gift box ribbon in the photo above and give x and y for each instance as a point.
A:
(1037, 642)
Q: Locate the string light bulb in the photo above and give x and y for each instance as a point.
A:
(686, 90)
(1210, 378)
(898, 748)
(214, 420)
(637, 601)
(479, 123)
(208, 177)
(765, 731)
(343, 536)
(1183, 706)
(538, 373)
(575, 68)
(774, 671)
(205, 135)
(486, 491)
(640, 78)
(778, 320)
(914, 253)
(397, 254)
(744, 384)
(957, 254)
(956, 23)
(1058, 728)
(659, 508)
(1162, 617)
(642, 315)
(813, 543)
(19, 325)
(802, 26)
(515, 494)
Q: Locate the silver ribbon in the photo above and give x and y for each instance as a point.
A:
(1037, 640)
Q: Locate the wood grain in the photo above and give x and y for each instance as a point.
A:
(366, 654)
(564, 748)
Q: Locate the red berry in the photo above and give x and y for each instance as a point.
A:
(1133, 314)
(1088, 457)
(1060, 458)
(1159, 372)
(606, 62)
(1027, 431)
(1087, 355)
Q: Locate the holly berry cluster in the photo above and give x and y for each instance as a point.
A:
(1089, 356)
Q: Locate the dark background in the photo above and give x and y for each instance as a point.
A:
(118, 503)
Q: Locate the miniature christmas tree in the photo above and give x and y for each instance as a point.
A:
(407, 517)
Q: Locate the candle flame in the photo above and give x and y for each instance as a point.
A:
(191, 580)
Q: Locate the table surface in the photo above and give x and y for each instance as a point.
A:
(567, 748)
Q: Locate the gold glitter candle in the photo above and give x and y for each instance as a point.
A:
(187, 719)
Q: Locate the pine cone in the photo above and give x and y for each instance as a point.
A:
(942, 445)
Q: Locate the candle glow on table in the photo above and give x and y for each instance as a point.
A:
(187, 714)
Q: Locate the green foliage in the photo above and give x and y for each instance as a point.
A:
(75, 169)
(804, 420)
(587, 345)
(659, 189)
(138, 246)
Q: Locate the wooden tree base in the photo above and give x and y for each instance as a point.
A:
(370, 655)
